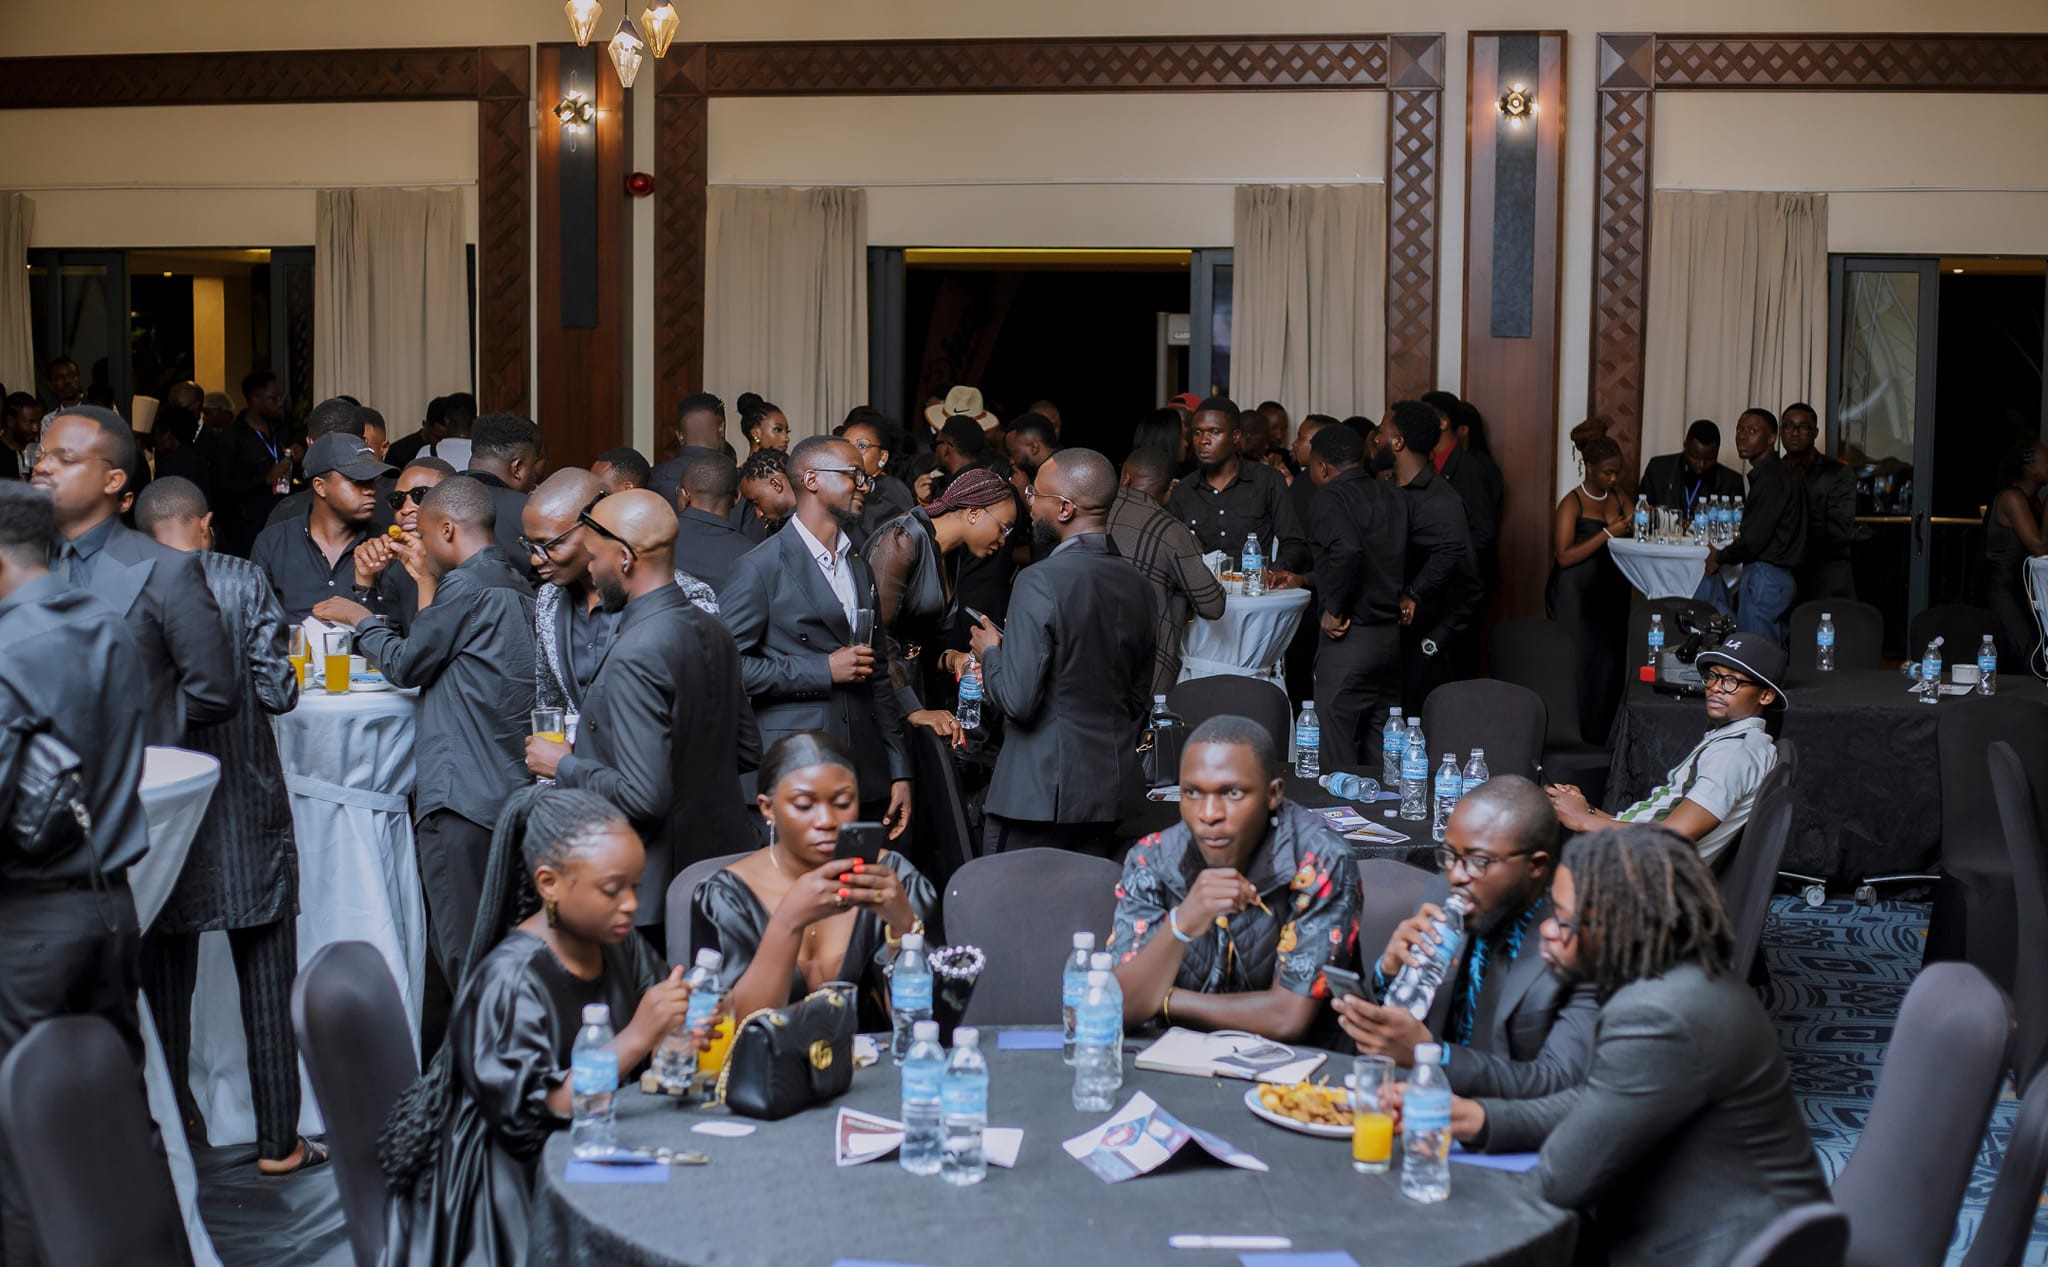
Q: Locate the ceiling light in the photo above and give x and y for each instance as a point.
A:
(583, 16)
(661, 21)
(627, 49)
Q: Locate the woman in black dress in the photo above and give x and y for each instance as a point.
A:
(913, 557)
(2014, 533)
(461, 1145)
(1587, 591)
(789, 917)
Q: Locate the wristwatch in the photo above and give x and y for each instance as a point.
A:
(1429, 646)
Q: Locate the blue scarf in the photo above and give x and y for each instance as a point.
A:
(1508, 941)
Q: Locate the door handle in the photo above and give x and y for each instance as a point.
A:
(1920, 534)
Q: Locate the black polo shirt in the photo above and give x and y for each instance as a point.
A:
(1254, 501)
(299, 573)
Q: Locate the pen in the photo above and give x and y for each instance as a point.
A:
(1229, 1242)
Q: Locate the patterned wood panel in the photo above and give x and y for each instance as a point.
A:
(1414, 126)
(503, 256)
(1621, 257)
(1884, 63)
(682, 130)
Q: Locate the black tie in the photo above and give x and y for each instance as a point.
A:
(74, 562)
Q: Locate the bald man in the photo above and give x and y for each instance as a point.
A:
(1072, 672)
(469, 652)
(664, 730)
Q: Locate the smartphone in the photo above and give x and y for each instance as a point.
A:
(977, 618)
(1344, 983)
(861, 840)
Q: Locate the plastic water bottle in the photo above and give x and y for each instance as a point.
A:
(1308, 743)
(1642, 518)
(1656, 641)
(1074, 988)
(968, 710)
(1448, 789)
(1393, 742)
(924, 1070)
(1930, 673)
(1350, 787)
(910, 992)
(1824, 644)
(1098, 1058)
(1101, 962)
(1476, 773)
(675, 1064)
(963, 1110)
(1987, 667)
(1166, 735)
(1253, 564)
(1426, 1129)
(1415, 986)
(593, 1083)
(1415, 775)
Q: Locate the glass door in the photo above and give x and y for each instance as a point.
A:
(1209, 309)
(79, 300)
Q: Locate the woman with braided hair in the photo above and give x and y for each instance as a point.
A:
(553, 932)
(915, 555)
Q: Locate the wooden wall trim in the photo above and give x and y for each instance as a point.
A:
(682, 136)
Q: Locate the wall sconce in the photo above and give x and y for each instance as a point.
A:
(575, 110)
(627, 49)
(661, 21)
(1516, 105)
(583, 16)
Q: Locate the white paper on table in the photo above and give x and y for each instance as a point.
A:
(1001, 1144)
(724, 1130)
(859, 1137)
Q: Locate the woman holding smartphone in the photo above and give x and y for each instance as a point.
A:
(804, 910)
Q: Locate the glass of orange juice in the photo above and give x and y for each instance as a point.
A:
(1372, 1128)
(711, 1056)
(548, 724)
(300, 655)
(336, 667)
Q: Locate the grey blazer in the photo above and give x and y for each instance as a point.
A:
(187, 647)
(1533, 1035)
(1685, 1140)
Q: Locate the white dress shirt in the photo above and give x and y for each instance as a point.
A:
(832, 562)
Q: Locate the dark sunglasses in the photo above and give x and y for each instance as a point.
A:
(399, 497)
(584, 518)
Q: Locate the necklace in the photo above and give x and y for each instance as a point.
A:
(1589, 494)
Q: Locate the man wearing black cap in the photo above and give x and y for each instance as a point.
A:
(1708, 796)
(314, 558)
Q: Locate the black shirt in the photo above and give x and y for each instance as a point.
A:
(241, 476)
(591, 630)
(1358, 528)
(1773, 517)
(707, 545)
(300, 575)
(1669, 482)
(1254, 501)
(1442, 575)
(1830, 509)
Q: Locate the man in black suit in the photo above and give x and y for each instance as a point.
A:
(1356, 528)
(700, 429)
(1443, 593)
(21, 425)
(505, 457)
(1475, 478)
(1681, 481)
(663, 733)
(87, 453)
(253, 463)
(1830, 506)
(708, 543)
(792, 604)
(1071, 673)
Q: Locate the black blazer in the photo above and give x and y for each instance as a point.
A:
(1666, 479)
(187, 648)
(1073, 678)
(709, 546)
(1533, 1034)
(1478, 481)
(664, 736)
(787, 622)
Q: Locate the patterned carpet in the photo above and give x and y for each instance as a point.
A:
(1838, 976)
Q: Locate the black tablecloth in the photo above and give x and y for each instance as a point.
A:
(775, 1199)
(1417, 850)
(1869, 783)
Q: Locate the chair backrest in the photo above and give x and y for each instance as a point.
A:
(352, 1031)
(2019, 812)
(1198, 699)
(2008, 1223)
(75, 1117)
(1751, 874)
(1023, 910)
(1673, 610)
(1972, 840)
(1960, 626)
(1392, 892)
(941, 815)
(680, 904)
(1903, 1184)
(1529, 654)
(1507, 720)
(1859, 634)
(1813, 1235)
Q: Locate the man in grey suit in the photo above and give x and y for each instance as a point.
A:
(162, 594)
(1685, 1140)
(792, 604)
(1072, 673)
(1507, 1024)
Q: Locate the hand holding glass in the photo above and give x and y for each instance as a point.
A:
(548, 724)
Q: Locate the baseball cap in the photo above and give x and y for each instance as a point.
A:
(344, 453)
(1187, 400)
(1752, 654)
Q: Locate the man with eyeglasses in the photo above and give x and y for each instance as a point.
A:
(1506, 1024)
(1708, 796)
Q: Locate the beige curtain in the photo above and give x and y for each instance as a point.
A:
(390, 299)
(786, 302)
(1738, 310)
(17, 324)
(1308, 325)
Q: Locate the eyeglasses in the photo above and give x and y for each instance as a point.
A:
(1569, 928)
(1475, 864)
(546, 549)
(860, 478)
(417, 494)
(1718, 683)
(1031, 494)
(71, 457)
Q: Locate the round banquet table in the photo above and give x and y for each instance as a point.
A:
(1664, 569)
(1249, 639)
(775, 1199)
(348, 764)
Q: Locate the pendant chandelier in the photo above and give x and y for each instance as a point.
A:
(627, 47)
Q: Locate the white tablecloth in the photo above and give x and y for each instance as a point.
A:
(1250, 638)
(1665, 570)
(176, 786)
(2037, 585)
(348, 762)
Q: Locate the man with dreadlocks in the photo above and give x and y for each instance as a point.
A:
(1685, 1140)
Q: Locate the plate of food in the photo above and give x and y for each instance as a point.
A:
(1309, 1107)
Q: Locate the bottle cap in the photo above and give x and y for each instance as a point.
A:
(965, 1036)
(1479, 752)
(1097, 976)
(913, 941)
(1084, 941)
(924, 1031)
(1458, 902)
(1827, 615)
(710, 960)
(1099, 961)
(1393, 713)
(596, 1014)
(1450, 756)
(1159, 699)
(1428, 1054)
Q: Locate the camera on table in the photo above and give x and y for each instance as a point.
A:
(1700, 631)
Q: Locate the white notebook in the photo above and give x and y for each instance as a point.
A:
(1228, 1053)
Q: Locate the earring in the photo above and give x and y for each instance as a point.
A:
(771, 833)
(553, 920)
(1273, 820)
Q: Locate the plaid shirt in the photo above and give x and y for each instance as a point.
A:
(1166, 552)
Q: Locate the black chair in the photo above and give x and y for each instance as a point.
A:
(1538, 655)
(1674, 611)
(1903, 1184)
(2008, 1221)
(1960, 627)
(1392, 892)
(1859, 636)
(679, 905)
(1023, 910)
(1813, 1235)
(1973, 916)
(2020, 813)
(350, 1022)
(1749, 876)
(940, 819)
(1228, 694)
(88, 1161)
(1508, 721)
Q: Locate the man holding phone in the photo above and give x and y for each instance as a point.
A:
(1508, 1026)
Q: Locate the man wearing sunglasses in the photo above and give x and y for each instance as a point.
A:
(1708, 796)
(1507, 1025)
(410, 585)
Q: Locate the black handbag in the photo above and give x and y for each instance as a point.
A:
(42, 790)
(787, 1059)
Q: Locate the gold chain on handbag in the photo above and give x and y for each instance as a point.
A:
(775, 1016)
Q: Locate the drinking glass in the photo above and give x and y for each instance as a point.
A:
(335, 666)
(864, 627)
(1372, 1128)
(548, 724)
(300, 655)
